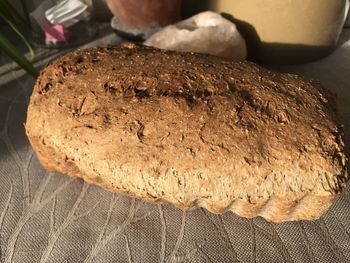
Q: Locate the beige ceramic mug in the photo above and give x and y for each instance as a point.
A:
(288, 31)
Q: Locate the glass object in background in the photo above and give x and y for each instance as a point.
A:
(137, 20)
(292, 31)
(61, 23)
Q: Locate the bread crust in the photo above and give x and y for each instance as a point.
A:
(190, 129)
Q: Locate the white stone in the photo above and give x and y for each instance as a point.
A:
(206, 32)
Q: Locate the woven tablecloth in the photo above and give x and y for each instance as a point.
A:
(48, 217)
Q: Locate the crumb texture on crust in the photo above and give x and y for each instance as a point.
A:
(190, 129)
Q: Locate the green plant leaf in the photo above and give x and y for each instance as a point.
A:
(12, 14)
(16, 55)
(26, 13)
(14, 28)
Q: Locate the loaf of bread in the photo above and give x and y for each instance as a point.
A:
(193, 130)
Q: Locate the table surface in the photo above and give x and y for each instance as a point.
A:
(51, 218)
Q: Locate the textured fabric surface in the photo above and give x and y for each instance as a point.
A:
(52, 218)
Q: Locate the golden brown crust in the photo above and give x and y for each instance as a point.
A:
(190, 129)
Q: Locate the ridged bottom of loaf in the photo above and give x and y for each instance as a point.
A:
(276, 209)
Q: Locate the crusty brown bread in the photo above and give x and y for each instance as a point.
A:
(190, 129)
